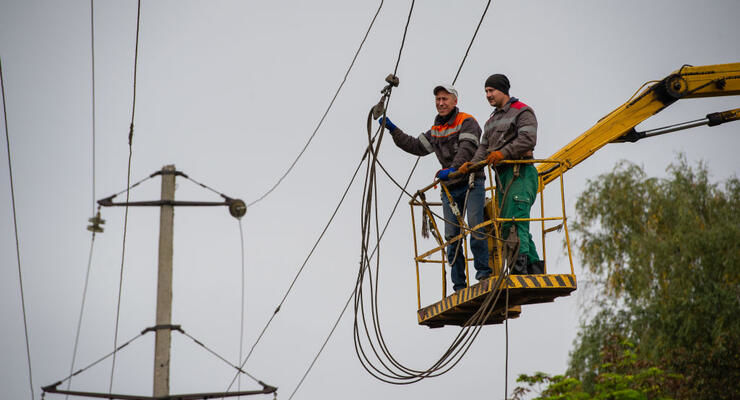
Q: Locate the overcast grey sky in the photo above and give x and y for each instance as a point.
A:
(229, 92)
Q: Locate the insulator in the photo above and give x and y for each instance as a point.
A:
(96, 221)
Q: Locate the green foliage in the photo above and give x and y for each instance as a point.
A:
(666, 253)
(621, 376)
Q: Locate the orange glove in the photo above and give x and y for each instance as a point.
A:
(464, 168)
(494, 157)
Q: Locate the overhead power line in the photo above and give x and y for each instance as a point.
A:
(465, 57)
(277, 309)
(378, 359)
(128, 184)
(15, 229)
(89, 261)
(321, 121)
(464, 340)
(92, 68)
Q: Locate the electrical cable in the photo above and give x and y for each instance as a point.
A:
(241, 325)
(300, 270)
(369, 150)
(264, 329)
(15, 229)
(203, 185)
(351, 296)
(343, 196)
(358, 296)
(128, 188)
(321, 121)
(99, 360)
(403, 41)
(323, 345)
(128, 183)
(465, 57)
(356, 287)
(92, 67)
(402, 374)
(370, 191)
(82, 309)
(440, 217)
(238, 369)
(89, 261)
(506, 362)
(142, 333)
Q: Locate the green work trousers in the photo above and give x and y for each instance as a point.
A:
(517, 203)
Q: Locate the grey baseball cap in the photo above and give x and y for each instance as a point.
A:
(447, 88)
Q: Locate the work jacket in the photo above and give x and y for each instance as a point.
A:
(453, 138)
(512, 130)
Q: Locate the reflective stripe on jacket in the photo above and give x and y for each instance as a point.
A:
(512, 130)
(453, 139)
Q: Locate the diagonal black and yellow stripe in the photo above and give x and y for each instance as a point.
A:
(457, 308)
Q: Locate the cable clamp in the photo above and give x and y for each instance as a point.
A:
(379, 109)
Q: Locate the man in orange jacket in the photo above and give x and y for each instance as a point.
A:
(453, 138)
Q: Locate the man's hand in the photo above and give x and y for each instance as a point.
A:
(388, 124)
(464, 169)
(494, 157)
(444, 174)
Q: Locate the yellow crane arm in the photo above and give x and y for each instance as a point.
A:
(685, 83)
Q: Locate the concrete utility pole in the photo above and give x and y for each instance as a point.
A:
(163, 328)
(164, 285)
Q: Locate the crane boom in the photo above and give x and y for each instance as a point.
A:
(685, 83)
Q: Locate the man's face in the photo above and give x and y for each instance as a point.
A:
(445, 102)
(496, 97)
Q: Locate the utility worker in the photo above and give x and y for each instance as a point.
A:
(511, 134)
(453, 138)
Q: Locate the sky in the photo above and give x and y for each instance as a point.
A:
(229, 92)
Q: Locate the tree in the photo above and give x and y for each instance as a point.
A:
(666, 253)
(621, 376)
(665, 256)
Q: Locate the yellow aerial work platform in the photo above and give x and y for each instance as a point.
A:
(485, 302)
(464, 307)
(458, 308)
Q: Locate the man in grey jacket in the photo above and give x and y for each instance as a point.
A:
(453, 138)
(511, 134)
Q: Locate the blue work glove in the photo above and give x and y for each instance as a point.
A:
(444, 174)
(388, 124)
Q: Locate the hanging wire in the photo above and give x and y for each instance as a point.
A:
(321, 121)
(129, 187)
(344, 195)
(480, 316)
(92, 242)
(92, 67)
(403, 39)
(352, 295)
(368, 151)
(390, 370)
(465, 57)
(323, 345)
(15, 229)
(238, 369)
(483, 313)
(128, 183)
(101, 359)
(506, 361)
(82, 309)
(203, 185)
(300, 270)
(241, 325)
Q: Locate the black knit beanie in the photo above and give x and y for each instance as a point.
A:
(499, 82)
